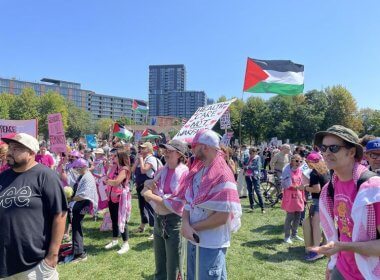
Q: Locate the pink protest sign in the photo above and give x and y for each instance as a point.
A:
(56, 133)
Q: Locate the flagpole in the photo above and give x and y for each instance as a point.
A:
(241, 116)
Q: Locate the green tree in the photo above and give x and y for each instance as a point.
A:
(342, 109)
(51, 103)
(125, 121)
(254, 119)
(25, 106)
(103, 125)
(307, 116)
(236, 111)
(278, 115)
(371, 121)
(79, 122)
(6, 102)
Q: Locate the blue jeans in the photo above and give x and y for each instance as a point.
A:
(212, 263)
(255, 183)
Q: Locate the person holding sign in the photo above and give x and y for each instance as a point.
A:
(212, 208)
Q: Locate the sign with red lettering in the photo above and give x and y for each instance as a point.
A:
(204, 117)
(18, 126)
(56, 133)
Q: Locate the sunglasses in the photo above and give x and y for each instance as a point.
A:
(297, 160)
(374, 156)
(333, 148)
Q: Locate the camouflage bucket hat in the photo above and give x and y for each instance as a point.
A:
(343, 133)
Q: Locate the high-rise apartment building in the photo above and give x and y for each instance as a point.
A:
(168, 95)
(99, 105)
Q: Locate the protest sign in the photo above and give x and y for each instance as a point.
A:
(225, 121)
(18, 126)
(204, 117)
(91, 141)
(226, 139)
(56, 133)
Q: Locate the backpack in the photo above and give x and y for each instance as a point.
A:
(365, 176)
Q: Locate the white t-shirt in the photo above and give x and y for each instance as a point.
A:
(153, 161)
(212, 238)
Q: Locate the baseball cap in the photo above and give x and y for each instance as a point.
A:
(175, 145)
(24, 139)
(79, 163)
(314, 157)
(99, 151)
(373, 145)
(343, 133)
(207, 137)
(147, 145)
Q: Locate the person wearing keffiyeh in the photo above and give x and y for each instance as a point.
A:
(212, 208)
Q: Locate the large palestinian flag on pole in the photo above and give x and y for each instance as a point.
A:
(273, 76)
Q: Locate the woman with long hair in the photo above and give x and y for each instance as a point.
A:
(318, 178)
(119, 198)
(168, 210)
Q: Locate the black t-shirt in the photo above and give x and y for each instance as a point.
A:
(28, 203)
(316, 178)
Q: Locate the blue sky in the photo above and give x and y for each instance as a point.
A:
(107, 46)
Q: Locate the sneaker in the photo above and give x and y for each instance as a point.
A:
(151, 237)
(312, 256)
(288, 240)
(262, 211)
(79, 258)
(297, 238)
(112, 244)
(124, 248)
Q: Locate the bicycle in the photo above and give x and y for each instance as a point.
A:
(270, 186)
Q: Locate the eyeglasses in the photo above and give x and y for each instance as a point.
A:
(166, 151)
(374, 156)
(333, 148)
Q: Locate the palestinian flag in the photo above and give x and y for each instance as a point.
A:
(149, 134)
(273, 76)
(139, 106)
(121, 132)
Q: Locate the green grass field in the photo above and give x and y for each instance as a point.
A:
(257, 252)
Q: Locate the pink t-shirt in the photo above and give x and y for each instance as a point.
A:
(293, 199)
(344, 196)
(46, 160)
(169, 175)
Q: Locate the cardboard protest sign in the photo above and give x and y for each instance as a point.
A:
(226, 138)
(18, 126)
(56, 133)
(204, 117)
(225, 121)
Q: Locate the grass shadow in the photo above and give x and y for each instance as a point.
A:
(269, 244)
(292, 254)
(269, 229)
(142, 246)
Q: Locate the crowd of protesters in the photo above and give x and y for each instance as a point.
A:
(195, 192)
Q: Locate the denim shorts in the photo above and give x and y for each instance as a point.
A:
(212, 263)
(314, 207)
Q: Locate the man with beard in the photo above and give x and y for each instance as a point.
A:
(212, 208)
(32, 213)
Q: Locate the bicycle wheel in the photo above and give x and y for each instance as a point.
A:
(270, 194)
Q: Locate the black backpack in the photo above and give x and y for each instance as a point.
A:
(366, 175)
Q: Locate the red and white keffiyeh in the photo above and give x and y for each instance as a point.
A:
(363, 215)
(217, 190)
(172, 201)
